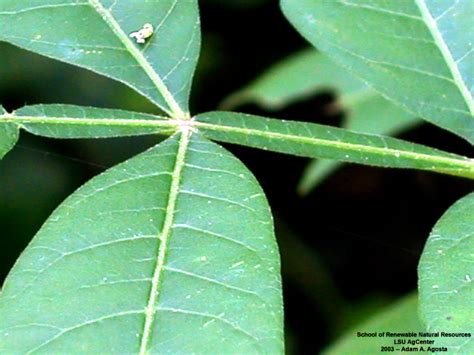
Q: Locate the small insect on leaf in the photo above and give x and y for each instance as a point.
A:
(145, 32)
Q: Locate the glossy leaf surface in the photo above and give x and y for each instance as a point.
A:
(419, 53)
(446, 273)
(318, 141)
(147, 257)
(68, 121)
(95, 34)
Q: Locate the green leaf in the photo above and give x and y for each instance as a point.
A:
(68, 121)
(367, 112)
(147, 257)
(371, 113)
(315, 173)
(446, 273)
(309, 72)
(8, 135)
(296, 78)
(400, 317)
(318, 141)
(94, 34)
(416, 52)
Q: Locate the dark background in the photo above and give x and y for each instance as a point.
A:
(349, 248)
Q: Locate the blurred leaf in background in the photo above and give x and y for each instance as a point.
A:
(401, 316)
(309, 73)
(29, 78)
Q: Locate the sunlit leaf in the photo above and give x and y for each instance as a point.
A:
(95, 34)
(416, 52)
(147, 257)
(446, 274)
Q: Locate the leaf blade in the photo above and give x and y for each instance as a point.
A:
(318, 141)
(445, 275)
(446, 43)
(91, 35)
(382, 52)
(69, 121)
(110, 262)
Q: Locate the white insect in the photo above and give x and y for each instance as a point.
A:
(144, 33)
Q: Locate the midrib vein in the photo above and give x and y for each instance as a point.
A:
(465, 164)
(176, 111)
(173, 125)
(165, 235)
(151, 123)
(447, 55)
